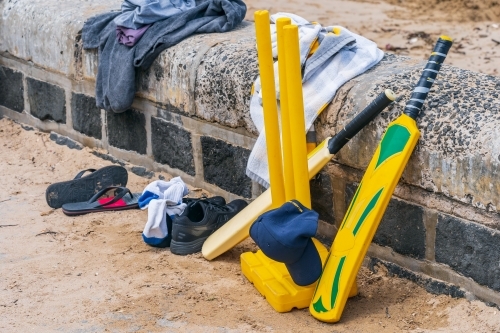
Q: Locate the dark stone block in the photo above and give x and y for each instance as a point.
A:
(65, 141)
(47, 101)
(224, 165)
(86, 115)
(402, 227)
(322, 197)
(11, 89)
(172, 145)
(108, 157)
(142, 172)
(431, 285)
(470, 249)
(127, 130)
(27, 128)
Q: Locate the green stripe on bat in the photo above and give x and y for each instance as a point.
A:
(394, 141)
(367, 211)
(318, 305)
(351, 205)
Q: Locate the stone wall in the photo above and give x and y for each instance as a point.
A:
(191, 118)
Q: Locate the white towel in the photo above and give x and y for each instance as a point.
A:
(161, 198)
(338, 58)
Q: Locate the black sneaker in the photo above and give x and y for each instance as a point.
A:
(189, 202)
(203, 218)
(215, 200)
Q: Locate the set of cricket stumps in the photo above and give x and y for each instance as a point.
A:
(291, 168)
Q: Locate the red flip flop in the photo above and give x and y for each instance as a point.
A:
(123, 199)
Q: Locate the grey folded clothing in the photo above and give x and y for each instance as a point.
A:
(137, 13)
(115, 83)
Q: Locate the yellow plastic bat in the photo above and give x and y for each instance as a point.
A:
(372, 197)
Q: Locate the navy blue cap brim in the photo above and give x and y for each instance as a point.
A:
(308, 268)
(272, 247)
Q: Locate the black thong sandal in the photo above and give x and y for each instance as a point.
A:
(83, 188)
(123, 199)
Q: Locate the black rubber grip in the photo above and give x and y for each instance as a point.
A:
(438, 55)
(361, 120)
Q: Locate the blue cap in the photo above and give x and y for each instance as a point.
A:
(284, 235)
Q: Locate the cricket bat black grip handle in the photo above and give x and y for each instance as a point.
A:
(431, 70)
(361, 120)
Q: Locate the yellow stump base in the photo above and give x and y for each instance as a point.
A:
(273, 281)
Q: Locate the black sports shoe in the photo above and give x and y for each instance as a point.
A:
(218, 200)
(189, 202)
(203, 218)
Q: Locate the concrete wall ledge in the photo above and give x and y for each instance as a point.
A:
(191, 118)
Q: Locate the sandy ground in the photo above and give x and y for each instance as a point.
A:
(93, 273)
(410, 27)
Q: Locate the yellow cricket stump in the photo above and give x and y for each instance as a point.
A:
(273, 142)
(285, 113)
(296, 108)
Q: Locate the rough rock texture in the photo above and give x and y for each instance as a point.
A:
(219, 69)
(225, 80)
(322, 197)
(44, 38)
(86, 115)
(142, 172)
(470, 249)
(65, 141)
(11, 89)
(172, 145)
(127, 130)
(224, 165)
(47, 101)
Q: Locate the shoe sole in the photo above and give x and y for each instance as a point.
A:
(82, 189)
(185, 248)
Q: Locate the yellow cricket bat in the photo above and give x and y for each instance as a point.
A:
(372, 197)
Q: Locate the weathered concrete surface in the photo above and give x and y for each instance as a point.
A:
(45, 32)
(207, 76)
